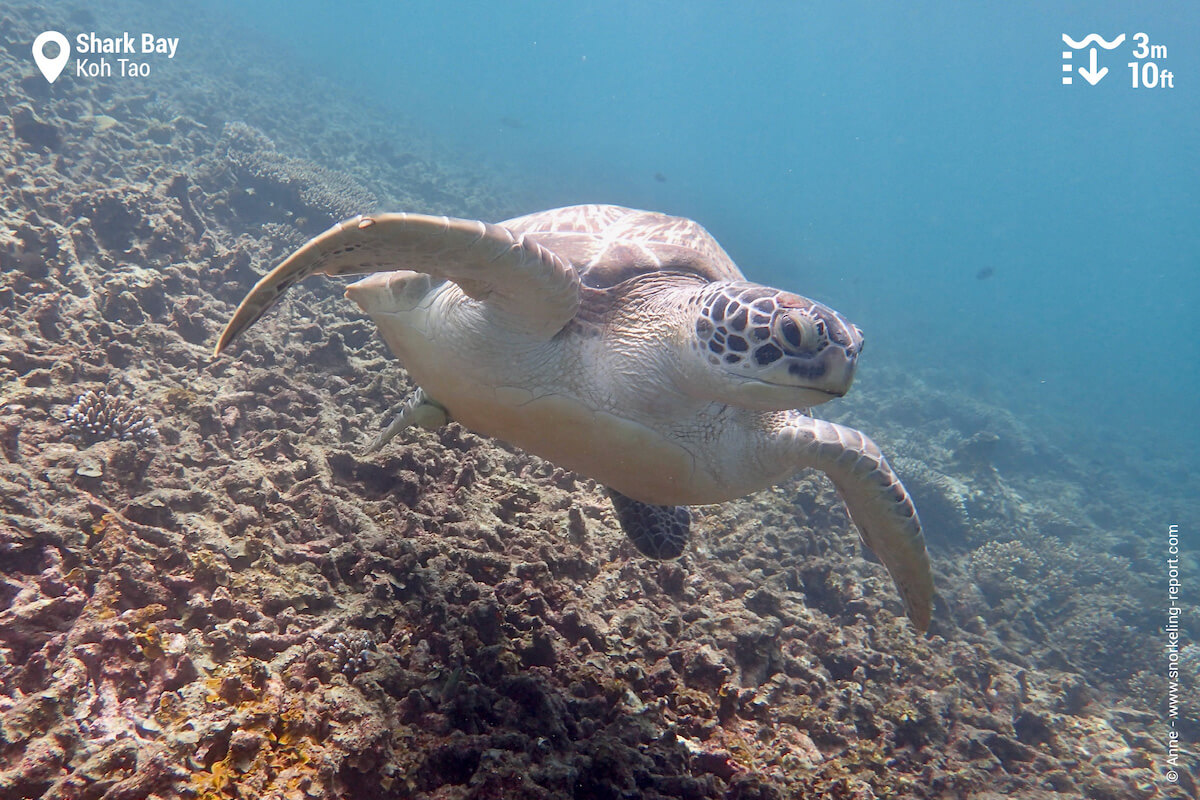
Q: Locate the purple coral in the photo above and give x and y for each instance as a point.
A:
(97, 416)
(350, 651)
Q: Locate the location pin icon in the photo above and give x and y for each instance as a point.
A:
(51, 67)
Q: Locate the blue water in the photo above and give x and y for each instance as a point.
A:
(878, 156)
(918, 166)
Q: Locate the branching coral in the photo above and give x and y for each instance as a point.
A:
(1005, 569)
(97, 416)
(323, 191)
(351, 652)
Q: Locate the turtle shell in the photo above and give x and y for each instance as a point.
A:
(609, 245)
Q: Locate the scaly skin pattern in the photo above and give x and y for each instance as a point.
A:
(879, 505)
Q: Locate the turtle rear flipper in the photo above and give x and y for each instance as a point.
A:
(535, 288)
(418, 409)
(659, 532)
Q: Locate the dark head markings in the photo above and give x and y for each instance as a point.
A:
(767, 354)
(758, 293)
(809, 370)
(718, 306)
(737, 324)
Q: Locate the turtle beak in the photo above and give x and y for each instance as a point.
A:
(843, 332)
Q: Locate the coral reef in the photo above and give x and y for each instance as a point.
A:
(350, 652)
(272, 185)
(97, 416)
(256, 610)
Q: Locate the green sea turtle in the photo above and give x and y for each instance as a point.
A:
(624, 345)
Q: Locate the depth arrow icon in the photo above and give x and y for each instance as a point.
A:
(1092, 75)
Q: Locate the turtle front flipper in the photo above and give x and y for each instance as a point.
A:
(659, 532)
(536, 288)
(879, 505)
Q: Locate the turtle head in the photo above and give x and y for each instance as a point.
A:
(769, 350)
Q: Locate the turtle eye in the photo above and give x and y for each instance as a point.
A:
(787, 329)
(799, 331)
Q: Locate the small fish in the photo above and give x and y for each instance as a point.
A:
(509, 122)
(658, 176)
(984, 274)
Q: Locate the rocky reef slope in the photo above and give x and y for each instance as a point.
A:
(241, 605)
